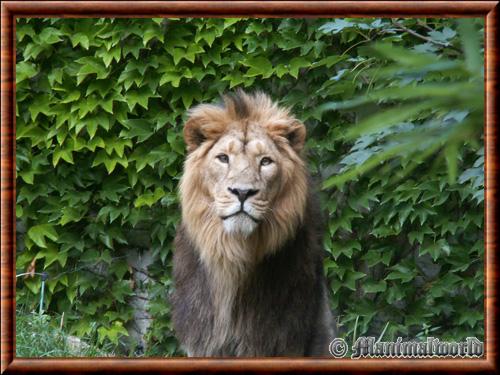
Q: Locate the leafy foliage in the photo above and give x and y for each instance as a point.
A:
(393, 110)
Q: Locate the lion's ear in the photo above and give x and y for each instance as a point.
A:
(193, 134)
(205, 122)
(297, 135)
(294, 132)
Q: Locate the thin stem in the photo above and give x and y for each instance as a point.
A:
(40, 311)
(355, 330)
(423, 37)
(383, 332)
(423, 24)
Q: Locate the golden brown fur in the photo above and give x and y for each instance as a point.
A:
(229, 256)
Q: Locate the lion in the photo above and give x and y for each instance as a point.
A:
(248, 257)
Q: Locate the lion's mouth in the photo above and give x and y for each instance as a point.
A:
(241, 212)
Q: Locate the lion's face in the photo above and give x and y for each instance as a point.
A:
(244, 186)
(243, 178)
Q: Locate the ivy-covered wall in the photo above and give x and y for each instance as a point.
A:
(394, 133)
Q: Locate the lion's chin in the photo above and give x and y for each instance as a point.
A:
(240, 224)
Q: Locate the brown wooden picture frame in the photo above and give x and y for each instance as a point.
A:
(12, 9)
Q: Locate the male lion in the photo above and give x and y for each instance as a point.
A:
(248, 267)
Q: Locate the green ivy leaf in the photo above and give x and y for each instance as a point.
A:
(371, 286)
(25, 70)
(39, 233)
(259, 66)
(148, 199)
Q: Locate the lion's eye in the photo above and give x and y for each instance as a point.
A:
(265, 161)
(223, 158)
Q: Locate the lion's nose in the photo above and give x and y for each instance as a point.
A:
(243, 194)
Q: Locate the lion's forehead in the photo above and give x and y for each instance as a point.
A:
(251, 145)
